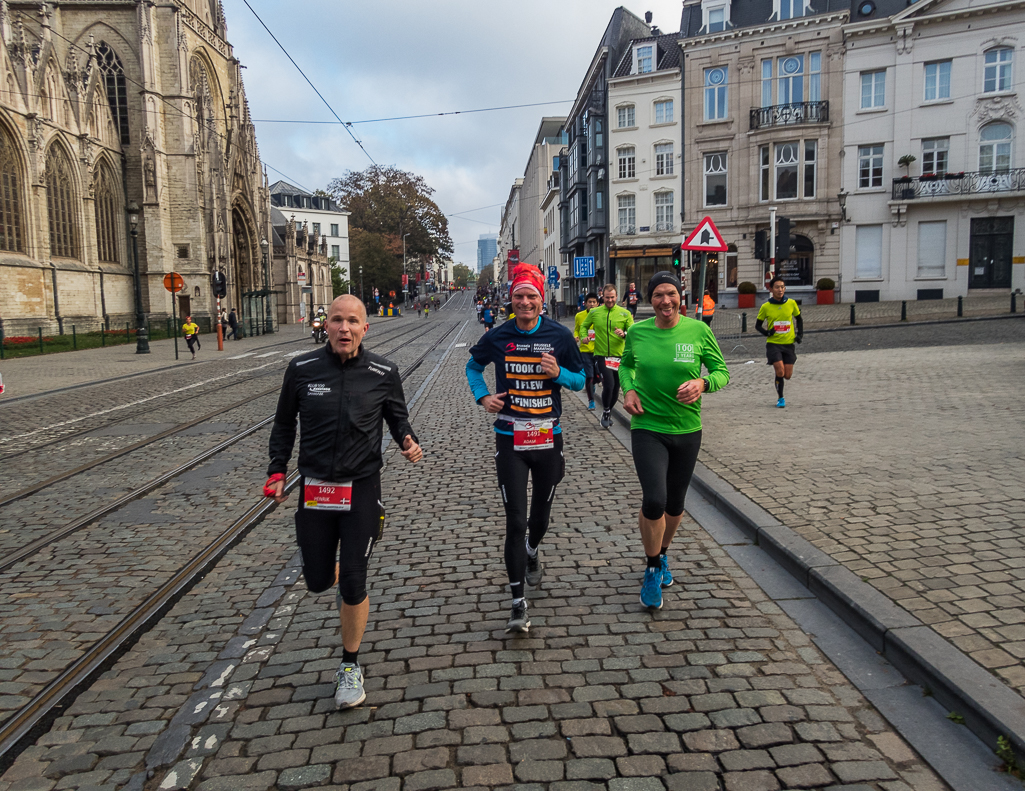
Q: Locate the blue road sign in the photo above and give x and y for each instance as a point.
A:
(583, 266)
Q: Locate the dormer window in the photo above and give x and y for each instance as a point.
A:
(643, 59)
(715, 15)
(790, 9)
(716, 20)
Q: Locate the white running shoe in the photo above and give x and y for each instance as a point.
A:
(349, 690)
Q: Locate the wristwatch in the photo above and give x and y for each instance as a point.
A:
(708, 385)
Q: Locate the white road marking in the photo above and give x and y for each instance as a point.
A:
(240, 356)
(460, 345)
(295, 353)
(268, 354)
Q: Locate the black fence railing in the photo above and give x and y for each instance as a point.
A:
(790, 114)
(975, 183)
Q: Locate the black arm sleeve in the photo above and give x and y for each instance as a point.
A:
(395, 412)
(759, 326)
(800, 325)
(282, 434)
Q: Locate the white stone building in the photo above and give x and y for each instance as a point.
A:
(325, 220)
(940, 82)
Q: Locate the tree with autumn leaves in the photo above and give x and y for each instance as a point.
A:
(385, 204)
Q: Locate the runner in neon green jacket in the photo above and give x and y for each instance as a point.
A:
(610, 323)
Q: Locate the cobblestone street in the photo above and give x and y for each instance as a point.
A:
(718, 690)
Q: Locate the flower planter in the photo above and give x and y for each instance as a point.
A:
(746, 300)
(824, 297)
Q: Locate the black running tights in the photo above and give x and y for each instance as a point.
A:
(547, 468)
(664, 464)
(609, 384)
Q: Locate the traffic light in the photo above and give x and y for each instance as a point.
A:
(677, 259)
(762, 245)
(784, 241)
(220, 285)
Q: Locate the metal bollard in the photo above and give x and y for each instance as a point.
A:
(960, 307)
(1014, 309)
(743, 322)
(852, 313)
(1, 343)
(74, 338)
(40, 340)
(904, 310)
(103, 336)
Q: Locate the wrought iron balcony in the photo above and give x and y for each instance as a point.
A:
(663, 227)
(625, 230)
(790, 114)
(975, 183)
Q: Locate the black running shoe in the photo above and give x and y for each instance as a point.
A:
(535, 569)
(518, 621)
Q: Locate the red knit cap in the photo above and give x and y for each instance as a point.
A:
(529, 277)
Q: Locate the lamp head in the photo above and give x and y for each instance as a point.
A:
(133, 214)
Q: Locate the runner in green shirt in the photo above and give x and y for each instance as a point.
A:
(661, 376)
(585, 341)
(785, 328)
(610, 323)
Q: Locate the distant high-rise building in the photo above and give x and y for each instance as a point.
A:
(487, 249)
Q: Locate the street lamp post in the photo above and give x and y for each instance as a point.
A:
(406, 290)
(141, 335)
(268, 324)
(361, 299)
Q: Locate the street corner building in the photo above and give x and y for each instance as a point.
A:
(111, 110)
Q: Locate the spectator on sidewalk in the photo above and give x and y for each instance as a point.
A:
(233, 323)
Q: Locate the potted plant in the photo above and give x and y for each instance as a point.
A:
(928, 177)
(908, 192)
(824, 293)
(746, 294)
(906, 160)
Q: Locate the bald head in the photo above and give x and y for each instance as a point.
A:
(350, 303)
(346, 325)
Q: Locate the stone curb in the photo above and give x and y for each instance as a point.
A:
(990, 708)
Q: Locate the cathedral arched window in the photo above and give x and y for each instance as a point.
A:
(117, 92)
(107, 195)
(10, 196)
(60, 204)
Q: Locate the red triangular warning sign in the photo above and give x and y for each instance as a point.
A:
(706, 238)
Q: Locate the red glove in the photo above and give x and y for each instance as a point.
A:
(268, 488)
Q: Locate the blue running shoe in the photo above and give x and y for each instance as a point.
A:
(590, 405)
(667, 575)
(651, 588)
(781, 403)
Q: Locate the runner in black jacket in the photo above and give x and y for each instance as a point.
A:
(341, 393)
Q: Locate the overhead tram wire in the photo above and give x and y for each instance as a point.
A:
(408, 117)
(308, 80)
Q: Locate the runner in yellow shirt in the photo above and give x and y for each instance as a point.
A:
(784, 329)
(191, 333)
(585, 341)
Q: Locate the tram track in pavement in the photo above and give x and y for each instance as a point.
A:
(149, 408)
(23, 726)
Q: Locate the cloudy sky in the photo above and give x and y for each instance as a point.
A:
(406, 57)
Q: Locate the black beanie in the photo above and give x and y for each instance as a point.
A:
(659, 278)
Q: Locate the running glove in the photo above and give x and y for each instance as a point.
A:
(268, 488)
(799, 338)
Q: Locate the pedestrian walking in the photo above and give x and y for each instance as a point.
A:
(707, 308)
(663, 386)
(233, 323)
(489, 318)
(631, 299)
(341, 393)
(785, 328)
(191, 333)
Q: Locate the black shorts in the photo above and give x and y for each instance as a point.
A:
(319, 534)
(780, 352)
(664, 464)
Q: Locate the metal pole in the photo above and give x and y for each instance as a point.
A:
(852, 313)
(699, 297)
(772, 240)
(41, 340)
(960, 307)
(141, 335)
(904, 310)
(174, 325)
(74, 338)
(1014, 309)
(268, 325)
(220, 329)
(743, 322)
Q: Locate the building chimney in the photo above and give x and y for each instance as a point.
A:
(647, 17)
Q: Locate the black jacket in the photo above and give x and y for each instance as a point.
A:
(340, 406)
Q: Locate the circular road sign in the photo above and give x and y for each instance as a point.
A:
(173, 282)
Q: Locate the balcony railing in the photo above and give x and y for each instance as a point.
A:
(663, 227)
(625, 230)
(790, 114)
(976, 183)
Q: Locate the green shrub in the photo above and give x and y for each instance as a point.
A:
(825, 284)
(747, 287)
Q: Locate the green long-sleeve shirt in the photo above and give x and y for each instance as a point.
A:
(656, 362)
(605, 321)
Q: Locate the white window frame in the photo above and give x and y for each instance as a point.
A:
(999, 147)
(665, 212)
(706, 16)
(781, 7)
(768, 71)
(933, 150)
(764, 174)
(814, 70)
(717, 95)
(626, 162)
(932, 238)
(790, 84)
(664, 103)
(871, 154)
(639, 58)
(937, 86)
(716, 165)
(336, 252)
(810, 168)
(998, 69)
(868, 252)
(876, 81)
(334, 229)
(629, 111)
(664, 165)
(778, 163)
(626, 202)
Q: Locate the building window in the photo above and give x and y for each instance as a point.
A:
(598, 139)
(108, 191)
(995, 148)
(10, 196)
(934, 154)
(932, 249)
(334, 225)
(117, 92)
(766, 83)
(715, 179)
(627, 163)
(716, 20)
(715, 93)
(663, 159)
(664, 212)
(61, 204)
(997, 76)
(810, 150)
(868, 241)
(316, 229)
(625, 116)
(873, 89)
(815, 77)
(937, 80)
(664, 111)
(643, 55)
(764, 168)
(791, 79)
(786, 170)
(598, 200)
(627, 214)
(791, 9)
(870, 166)
(732, 265)
(336, 251)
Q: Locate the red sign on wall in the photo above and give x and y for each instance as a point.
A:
(514, 256)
